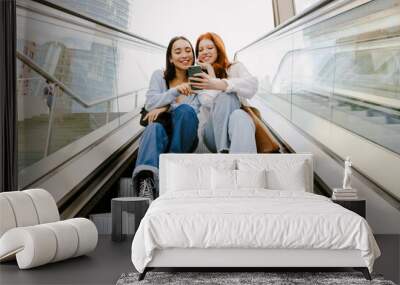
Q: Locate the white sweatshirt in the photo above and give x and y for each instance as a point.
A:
(241, 81)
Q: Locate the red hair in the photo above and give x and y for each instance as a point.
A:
(222, 63)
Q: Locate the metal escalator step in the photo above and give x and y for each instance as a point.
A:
(103, 223)
(126, 187)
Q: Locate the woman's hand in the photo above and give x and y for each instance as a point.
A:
(153, 114)
(205, 81)
(207, 66)
(184, 89)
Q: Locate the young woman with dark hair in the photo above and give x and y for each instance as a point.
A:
(224, 126)
(169, 91)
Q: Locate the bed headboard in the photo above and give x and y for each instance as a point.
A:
(211, 159)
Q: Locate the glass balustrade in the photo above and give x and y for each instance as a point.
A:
(345, 69)
(342, 69)
(105, 73)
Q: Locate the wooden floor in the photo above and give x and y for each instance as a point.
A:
(110, 259)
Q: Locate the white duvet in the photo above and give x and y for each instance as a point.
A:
(253, 218)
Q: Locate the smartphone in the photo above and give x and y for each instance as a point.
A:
(192, 70)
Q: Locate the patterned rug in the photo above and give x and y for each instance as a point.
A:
(242, 278)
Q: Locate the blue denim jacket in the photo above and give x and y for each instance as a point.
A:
(159, 95)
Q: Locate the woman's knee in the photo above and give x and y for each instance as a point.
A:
(154, 128)
(185, 110)
(224, 98)
(184, 116)
(240, 119)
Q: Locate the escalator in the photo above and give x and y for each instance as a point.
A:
(330, 88)
(78, 146)
(329, 85)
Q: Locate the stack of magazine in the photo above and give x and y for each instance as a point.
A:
(344, 194)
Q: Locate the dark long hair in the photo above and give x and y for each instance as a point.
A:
(222, 63)
(169, 73)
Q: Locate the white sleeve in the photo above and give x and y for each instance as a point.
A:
(241, 81)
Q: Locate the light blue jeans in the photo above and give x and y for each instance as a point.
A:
(229, 128)
(155, 140)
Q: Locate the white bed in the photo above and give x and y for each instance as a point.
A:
(201, 219)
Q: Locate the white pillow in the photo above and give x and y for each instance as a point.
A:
(251, 178)
(223, 179)
(194, 174)
(237, 179)
(293, 178)
(183, 177)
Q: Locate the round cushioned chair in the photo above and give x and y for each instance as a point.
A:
(31, 230)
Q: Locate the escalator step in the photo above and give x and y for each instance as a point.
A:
(126, 187)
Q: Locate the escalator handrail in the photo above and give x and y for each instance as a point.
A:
(26, 60)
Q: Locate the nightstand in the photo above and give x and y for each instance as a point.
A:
(358, 206)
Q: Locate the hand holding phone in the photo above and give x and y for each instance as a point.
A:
(192, 70)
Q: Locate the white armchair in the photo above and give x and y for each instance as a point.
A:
(31, 230)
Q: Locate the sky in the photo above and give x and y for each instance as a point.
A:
(238, 22)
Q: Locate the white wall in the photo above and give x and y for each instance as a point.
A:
(238, 22)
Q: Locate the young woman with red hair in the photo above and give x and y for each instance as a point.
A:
(224, 127)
